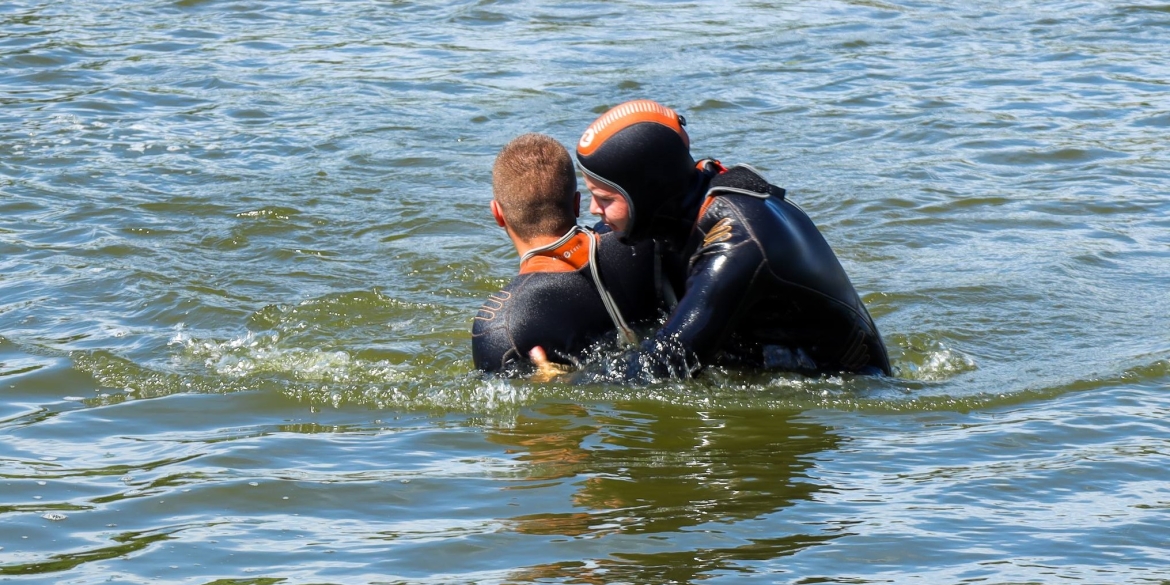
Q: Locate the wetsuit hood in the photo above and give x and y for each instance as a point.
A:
(642, 151)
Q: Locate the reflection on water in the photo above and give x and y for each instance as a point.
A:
(127, 543)
(663, 471)
(674, 567)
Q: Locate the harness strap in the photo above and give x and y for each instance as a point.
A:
(554, 251)
(611, 307)
(745, 180)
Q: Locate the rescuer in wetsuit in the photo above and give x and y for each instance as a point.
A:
(755, 281)
(561, 301)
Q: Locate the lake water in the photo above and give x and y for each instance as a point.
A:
(241, 244)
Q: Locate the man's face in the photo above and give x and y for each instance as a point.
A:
(609, 205)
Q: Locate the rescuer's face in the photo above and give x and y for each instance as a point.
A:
(609, 205)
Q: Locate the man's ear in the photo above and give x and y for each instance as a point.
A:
(499, 215)
(577, 204)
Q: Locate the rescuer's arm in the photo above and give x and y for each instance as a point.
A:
(718, 285)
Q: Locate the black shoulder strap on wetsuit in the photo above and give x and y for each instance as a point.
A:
(745, 180)
(611, 306)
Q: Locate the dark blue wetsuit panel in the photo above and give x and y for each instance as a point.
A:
(563, 311)
(762, 289)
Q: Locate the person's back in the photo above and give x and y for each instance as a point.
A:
(798, 309)
(559, 308)
(575, 287)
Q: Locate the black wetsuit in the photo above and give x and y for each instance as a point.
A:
(555, 304)
(757, 285)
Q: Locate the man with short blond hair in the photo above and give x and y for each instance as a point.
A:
(534, 186)
(575, 287)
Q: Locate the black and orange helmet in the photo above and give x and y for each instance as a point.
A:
(640, 149)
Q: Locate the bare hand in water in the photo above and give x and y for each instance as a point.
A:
(546, 371)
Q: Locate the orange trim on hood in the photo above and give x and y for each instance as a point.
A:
(624, 116)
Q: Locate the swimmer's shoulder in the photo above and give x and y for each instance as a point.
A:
(611, 247)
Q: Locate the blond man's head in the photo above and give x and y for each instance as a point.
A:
(535, 186)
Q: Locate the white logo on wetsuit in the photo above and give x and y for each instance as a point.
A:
(569, 253)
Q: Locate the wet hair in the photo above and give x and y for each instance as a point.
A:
(534, 183)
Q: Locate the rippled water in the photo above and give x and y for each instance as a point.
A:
(241, 243)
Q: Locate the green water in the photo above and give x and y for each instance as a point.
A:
(241, 243)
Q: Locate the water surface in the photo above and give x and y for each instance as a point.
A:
(241, 243)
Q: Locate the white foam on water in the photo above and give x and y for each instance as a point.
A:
(938, 365)
(257, 353)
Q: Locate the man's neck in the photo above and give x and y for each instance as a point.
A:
(569, 252)
(523, 246)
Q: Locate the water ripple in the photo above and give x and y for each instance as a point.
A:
(241, 244)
